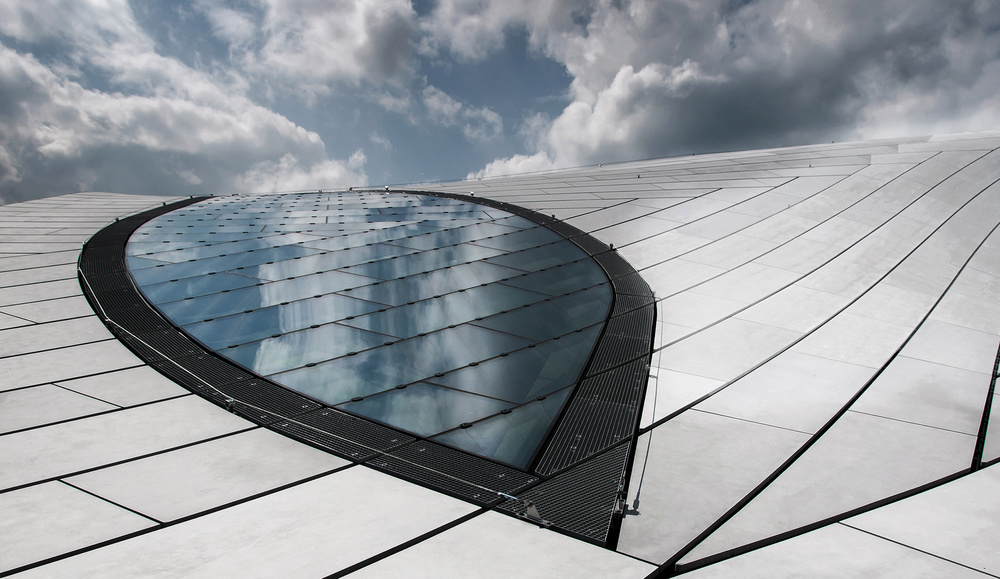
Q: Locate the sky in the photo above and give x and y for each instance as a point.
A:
(195, 97)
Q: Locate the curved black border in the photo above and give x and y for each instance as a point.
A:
(588, 451)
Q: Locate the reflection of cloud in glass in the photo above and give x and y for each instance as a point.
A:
(363, 292)
(451, 308)
(404, 362)
(303, 347)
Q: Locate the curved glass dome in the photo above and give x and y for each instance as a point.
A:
(454, 321)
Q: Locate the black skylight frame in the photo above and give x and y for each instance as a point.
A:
(579, 473)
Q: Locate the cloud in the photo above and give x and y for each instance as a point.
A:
(303, 46)
(381, 141)
(477, 124)
(472, 30)
(288, 174)
(629, 116)
(80, 23)
(236, 28)
(515, 165)
(468, 30)
(155, 125)
(653, 78)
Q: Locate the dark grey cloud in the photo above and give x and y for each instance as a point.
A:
(391, 49)
(682, 77)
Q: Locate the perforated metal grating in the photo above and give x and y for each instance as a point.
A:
(582, 501)
(602, 414)
(457, 473)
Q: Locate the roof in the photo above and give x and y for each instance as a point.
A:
(818, 399)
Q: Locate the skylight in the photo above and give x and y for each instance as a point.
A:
(453, 321)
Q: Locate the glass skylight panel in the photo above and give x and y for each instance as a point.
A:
(523, 375)
(436, 258)
(296, 349)
(437, 282)
(511, 437)
(135, 262)
(562, 278)
(547, 319)
(185, 310)
(399, 363)
(444, 237)
(296, 315)
(162, 246)
(432, 314)
(546, 256)
(196, 286)
(424, 409)
(449, 320)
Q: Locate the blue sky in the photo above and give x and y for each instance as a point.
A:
(220, 96)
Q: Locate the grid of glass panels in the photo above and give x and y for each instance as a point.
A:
(454, 321)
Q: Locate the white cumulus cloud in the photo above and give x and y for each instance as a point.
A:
(158, 126)
(288, 174)
(476, 123)
(304, 47)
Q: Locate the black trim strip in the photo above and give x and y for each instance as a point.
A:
(405, 545)
(107, 500)
(680, 569)
(984, 424)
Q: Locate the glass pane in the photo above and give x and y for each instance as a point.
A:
(437, 313)
(427, 285)
(195, 286)
(136, 262)
(225, 302)
(257, 256)
(511, 438)
(445, 237)
(174, 253)
(237, 328)
(296, 349)
(514, 241)
(162, 273)
(556, 317)
(393, 234)
(209, 237)
(525, 374)
(562, 279)
(213, 305)
(542, 257)
(258, 324)
(158, 247)
(424, 409)
(424, 261)
(404, 362)
(248, 242)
